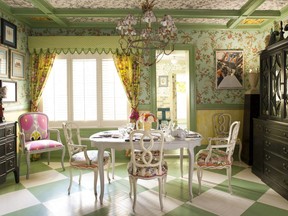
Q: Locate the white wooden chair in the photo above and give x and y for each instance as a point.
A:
(221, 125)
(218, 156)
(79, 157)
(147, 161)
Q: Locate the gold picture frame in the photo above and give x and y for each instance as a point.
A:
(3, 62)
(17, 65)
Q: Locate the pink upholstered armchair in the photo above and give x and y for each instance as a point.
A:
(35, 137)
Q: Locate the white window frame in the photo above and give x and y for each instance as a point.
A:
(99, 123)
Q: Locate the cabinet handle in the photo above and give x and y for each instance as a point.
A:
(267, 130)
(11, 163)
(9, 131)
(10, 146)
(267, 157)
(267, 144)
(267, 171)
(285, 151)
(285, 167)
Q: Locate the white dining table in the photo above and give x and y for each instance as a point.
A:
(110, 140)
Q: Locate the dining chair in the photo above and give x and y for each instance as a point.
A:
(221, 124)
(218, 156)
(80, 157)
(34, 134)
(147, 161)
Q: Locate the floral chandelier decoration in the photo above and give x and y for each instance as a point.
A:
(138, 36)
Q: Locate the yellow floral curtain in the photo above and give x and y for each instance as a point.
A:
(41, 64)
(129, 72)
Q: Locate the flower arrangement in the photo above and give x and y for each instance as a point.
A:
(148, 117)
(134, 116)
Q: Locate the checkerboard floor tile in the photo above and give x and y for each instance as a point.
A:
(45, 193)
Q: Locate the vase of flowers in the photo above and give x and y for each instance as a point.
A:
(147, 119)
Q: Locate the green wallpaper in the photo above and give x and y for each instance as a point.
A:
(204, 41)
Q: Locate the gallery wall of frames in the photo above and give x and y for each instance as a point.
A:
(11, 61)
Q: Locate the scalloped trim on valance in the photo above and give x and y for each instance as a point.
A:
(73, 44)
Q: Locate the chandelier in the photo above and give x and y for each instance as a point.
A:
(139, 37)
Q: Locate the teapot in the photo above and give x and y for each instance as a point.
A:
(179, 134)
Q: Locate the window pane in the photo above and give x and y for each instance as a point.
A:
(55, 92)
(84, 90)
(114, 97)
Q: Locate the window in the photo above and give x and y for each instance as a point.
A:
(85, 89)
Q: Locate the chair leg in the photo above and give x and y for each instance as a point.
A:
(80, 177)
(108, 167)
(181, 162)
(113, 162)
(70, 183)
(28, 165)
(131, 189)
(160, 183)
(134, 182)
(240, 149)
(62, 159)
(199, 176)
(48, 158)
(229, 179)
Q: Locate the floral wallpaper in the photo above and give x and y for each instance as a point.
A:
(205, 43)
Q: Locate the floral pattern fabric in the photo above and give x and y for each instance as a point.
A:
(80, 160)
(218, 158)
(42, 144)
(41, 65)
(129, 72)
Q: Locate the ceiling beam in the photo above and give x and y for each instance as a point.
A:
(245, 11)
(48, 10)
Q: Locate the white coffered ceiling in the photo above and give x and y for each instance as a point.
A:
(198, 14)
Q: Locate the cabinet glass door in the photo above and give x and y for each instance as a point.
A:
(285, 92)
(275, 86)
(265, 70)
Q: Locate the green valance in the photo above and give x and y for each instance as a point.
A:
(73, 44)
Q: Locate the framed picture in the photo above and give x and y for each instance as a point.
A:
(229, 69)
(3, 62)
(163, 81)
(8, 33)
(17, 65)
(11, 95)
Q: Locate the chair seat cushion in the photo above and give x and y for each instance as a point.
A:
(42, 144)
(147, 172)
(218, 158)
(79, 160)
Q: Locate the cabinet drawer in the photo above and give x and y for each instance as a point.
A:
(275, 161)
(2, 167)
(277, 131)
(10, 147)
(273, 174)
(10, 164)
(2, 150)
(276, 147)
(10, 130)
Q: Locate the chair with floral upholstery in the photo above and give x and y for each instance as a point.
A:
(35, 137)
(217, 156)
(146, 164)
(79, 157)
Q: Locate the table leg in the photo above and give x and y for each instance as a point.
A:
(101, 172)
(191, 169)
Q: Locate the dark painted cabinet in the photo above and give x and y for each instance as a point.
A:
(8, 151)
(270, 138)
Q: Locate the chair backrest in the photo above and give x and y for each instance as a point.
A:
(34, 126)
(221, 124)
(149, 153)
(232, 138)
(72, 137)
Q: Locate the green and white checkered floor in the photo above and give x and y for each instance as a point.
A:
(45, 193)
